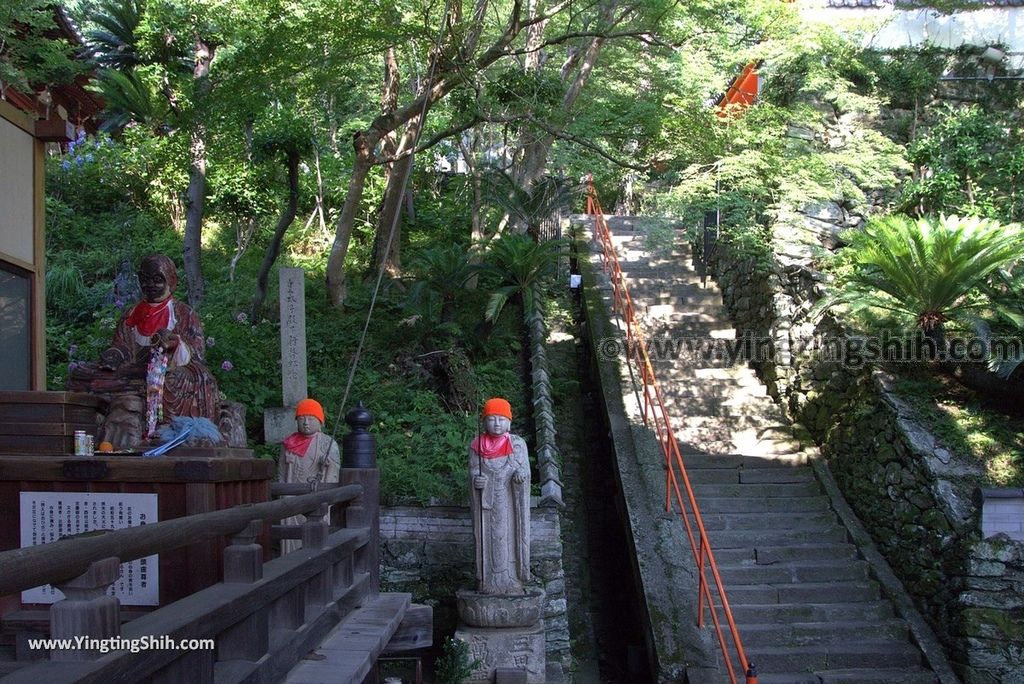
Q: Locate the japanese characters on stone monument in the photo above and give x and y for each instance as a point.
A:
(278, 422)
(501, 619)
(293, 335)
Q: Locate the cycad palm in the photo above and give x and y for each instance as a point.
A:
(441, 274)
(531, 206)
(112, 42)
(929, 270)
(522, 265)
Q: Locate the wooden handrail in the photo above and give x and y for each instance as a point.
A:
(68, 558)
(653, 410)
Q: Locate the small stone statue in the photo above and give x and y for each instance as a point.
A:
(503, 619)
(307, 455)
(499, 477)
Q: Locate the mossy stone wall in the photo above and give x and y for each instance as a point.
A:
(915, 496)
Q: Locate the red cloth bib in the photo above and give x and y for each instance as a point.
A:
(298, 443)
(147, 318)
(492, 446)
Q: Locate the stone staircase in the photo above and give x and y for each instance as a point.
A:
(806, 604)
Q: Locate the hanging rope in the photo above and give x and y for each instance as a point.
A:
(394, 221)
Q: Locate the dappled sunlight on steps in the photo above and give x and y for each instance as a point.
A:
(806, 604)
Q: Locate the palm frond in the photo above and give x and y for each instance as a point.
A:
(931, 268)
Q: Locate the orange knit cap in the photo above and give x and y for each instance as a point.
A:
(310, 407)
(497, 407)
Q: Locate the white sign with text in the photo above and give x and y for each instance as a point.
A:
(49, 516)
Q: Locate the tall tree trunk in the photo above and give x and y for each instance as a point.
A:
(365, 141)
(274, 248)
(192, 250)
(535, 148)
(535, 152)
(389, 226)
(476, 234)
(389, 103)
(394, 178)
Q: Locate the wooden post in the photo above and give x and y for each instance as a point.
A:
(249, 639)
(86, 611)
(314, 530)
(243, 560)
(320, 588)
(364, 511)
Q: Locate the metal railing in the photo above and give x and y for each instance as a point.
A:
(654, 413)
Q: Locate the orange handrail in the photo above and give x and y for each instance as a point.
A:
(654, 412)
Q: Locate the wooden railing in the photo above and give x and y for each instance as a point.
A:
(655, 414)
(262, 618)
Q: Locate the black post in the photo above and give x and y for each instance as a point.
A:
(359, 466)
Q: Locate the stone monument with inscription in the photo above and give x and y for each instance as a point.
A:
(502, 618)
(279, 422)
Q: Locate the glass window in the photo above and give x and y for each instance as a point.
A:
(15, 328)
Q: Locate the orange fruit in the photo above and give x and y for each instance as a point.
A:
(105, 446)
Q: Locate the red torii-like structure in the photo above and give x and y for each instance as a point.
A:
(741, 93)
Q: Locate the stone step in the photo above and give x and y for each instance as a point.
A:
(752, 476)
(732, 539)
(775, 613)
(757, 521)
(794, 571)
(745, 442)
(861, 654)
(878, 675)
(802, 596)
(684, 296)
(673, 311)
(769, 554)
(724, 389)
(758, 408)
(795, 634)
(685, 290)
(742, 374)
(743, 461)
(759, 491)
(714, 333)
(767, 427)
(694, 413)
(710, 402)
(710, 504)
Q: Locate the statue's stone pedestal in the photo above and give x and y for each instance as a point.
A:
(520, 648)
(503, 632)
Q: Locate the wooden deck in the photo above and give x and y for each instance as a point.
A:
(348, 653)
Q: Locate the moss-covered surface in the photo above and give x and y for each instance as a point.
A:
(967, 425)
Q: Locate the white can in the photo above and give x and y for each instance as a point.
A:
(81, 444)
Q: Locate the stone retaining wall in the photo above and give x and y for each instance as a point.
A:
(915, 496)
(429, 553)
(548, 468)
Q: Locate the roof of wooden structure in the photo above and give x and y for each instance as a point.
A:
(79, 106)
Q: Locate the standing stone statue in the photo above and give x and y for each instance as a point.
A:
(307, 455)
(499, 473)
(502, 619)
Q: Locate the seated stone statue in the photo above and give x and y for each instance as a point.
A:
(185, 385)
(307, 456)
(499, 475)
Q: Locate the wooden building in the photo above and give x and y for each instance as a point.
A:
(29, 121)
